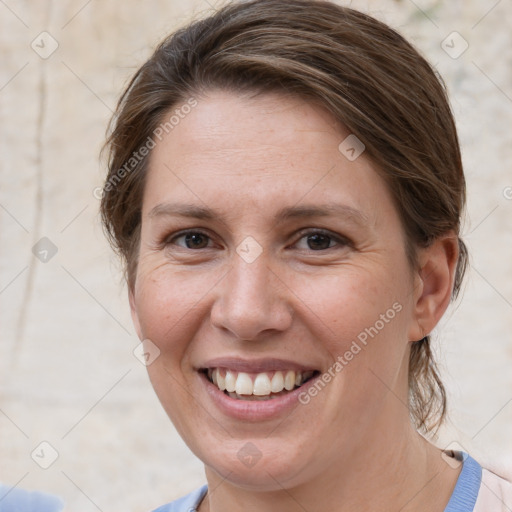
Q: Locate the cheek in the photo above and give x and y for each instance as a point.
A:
(167, 305)
(347, 302)
(362, 324)
(166, 302)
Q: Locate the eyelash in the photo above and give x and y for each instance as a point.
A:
(342, 241)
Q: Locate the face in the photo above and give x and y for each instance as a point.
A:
(275, 266)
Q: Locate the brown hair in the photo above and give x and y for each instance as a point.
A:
(367, 75)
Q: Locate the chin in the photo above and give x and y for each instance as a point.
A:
(275, 466)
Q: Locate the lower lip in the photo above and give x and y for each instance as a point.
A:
(253, 410)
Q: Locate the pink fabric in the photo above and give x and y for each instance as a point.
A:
(495, 493)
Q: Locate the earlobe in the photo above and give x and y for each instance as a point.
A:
(134, 314)
(433, 292)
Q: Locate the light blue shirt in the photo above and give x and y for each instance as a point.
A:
(463, 498)
(464, 495)
(13, 499)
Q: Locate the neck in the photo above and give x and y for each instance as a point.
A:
(396, 469)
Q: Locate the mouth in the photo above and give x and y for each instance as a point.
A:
(261, 386)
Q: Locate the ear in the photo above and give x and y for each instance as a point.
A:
(433, 284)
(133, 311)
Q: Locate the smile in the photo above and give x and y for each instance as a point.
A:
(257, 386)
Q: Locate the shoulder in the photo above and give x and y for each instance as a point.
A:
(481, 487)
(187, 503)
(13, 499)
(495, 489)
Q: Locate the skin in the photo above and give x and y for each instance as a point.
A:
(352, 447)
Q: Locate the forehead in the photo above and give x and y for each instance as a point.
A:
(267, 151)
(268, 126)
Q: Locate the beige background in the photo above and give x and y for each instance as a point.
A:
(67, 372)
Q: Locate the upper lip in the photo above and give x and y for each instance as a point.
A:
(255, 365)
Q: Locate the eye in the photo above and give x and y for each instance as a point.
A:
(192, 239)
(316, 240)
(320, 240)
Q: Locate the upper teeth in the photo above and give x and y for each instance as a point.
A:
(263, 384)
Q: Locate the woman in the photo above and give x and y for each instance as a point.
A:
(285, 187)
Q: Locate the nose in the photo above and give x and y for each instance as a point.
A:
(252, 301)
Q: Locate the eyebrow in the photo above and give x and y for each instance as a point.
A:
(287, 213)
